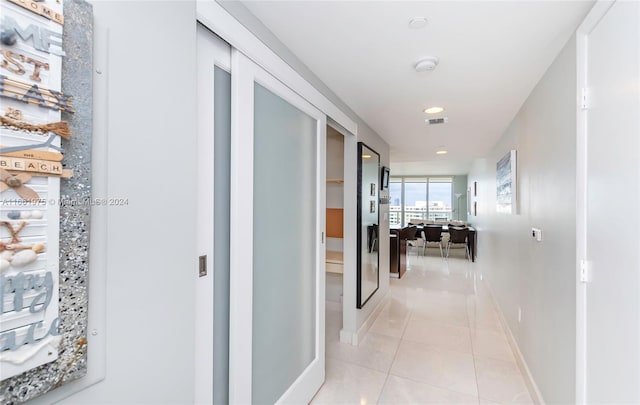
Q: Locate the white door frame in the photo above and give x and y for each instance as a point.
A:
(582, 34)
(211, 52)
(245, 74)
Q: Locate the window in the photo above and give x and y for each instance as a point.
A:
(419, 199)
(395, 201)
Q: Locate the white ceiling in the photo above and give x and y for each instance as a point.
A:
(491, 56)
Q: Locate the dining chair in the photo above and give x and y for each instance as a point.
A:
(410, 235)
(458, 236)
(432, 234)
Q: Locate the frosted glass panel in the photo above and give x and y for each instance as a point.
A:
(222, 189)
(284, 243)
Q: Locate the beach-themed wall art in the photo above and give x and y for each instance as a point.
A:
(45, 194)
(506, 184)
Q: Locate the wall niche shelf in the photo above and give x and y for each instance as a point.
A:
(335, 181)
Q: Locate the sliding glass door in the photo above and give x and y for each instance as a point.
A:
(277, 240)
(261, 207)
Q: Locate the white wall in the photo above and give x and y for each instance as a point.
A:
(151, 243)
(538, 277)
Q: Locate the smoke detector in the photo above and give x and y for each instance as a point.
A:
(426, 64)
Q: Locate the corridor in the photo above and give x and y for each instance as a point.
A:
(437, 340)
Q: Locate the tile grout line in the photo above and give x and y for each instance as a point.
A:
(410, 317)
(384, 385)
(394, 357)
(421, 382)
(411, 295)
(473, 352)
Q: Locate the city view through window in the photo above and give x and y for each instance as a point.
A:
(420, 199)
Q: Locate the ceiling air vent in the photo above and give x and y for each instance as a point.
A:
(434, 121)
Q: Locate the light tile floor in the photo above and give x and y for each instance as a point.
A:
(438, 340)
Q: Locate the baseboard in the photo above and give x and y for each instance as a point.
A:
(534, 391)
(346, 336)
(357, 337)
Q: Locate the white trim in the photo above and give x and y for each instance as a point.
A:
(350, 239)
(532, 387)
(211, 52)
(221, 50)
(346, 336)
(590, 22)
(366, 325)
(581, 220)
(349, 276)
(599, 10)
(241, 216)
(321, 244)
(313, 372)
(218, 20)
(354, 338)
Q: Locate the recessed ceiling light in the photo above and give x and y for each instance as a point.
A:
(417, 22)
(441, 152)
(434, 110)
(426, 64)
(366, 156)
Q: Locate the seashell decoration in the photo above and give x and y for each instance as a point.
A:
(24, 257)
(35, 214)
(19, 255)
(4, 264)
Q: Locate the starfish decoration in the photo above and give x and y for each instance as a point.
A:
(16, 183)
(13, 231)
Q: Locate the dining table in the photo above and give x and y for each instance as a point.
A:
(472, 240)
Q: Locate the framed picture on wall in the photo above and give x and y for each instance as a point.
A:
(384, 178)
(506, 184)
(372, 189)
